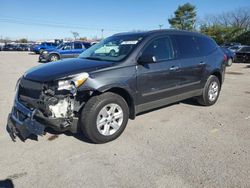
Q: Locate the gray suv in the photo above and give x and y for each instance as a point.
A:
(98, 92)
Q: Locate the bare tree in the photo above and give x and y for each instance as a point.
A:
(75, 34)
(239, 18)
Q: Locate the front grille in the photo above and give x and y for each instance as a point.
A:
(30, 89)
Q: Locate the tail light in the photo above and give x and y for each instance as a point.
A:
(225, 57)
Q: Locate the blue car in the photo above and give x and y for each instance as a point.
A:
(38, 49)
(65, 50)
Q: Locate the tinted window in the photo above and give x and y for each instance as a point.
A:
(87, 45)
(187, 46)
(160, 48)
(245, 49)
(77, 45)
(206, 45)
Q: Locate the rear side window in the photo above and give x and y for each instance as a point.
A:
(161, 48)
(87, 45)
(206, 45)
(245, 49)
(77, 45)
(187, 46)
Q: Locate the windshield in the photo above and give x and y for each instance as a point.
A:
(115, 48)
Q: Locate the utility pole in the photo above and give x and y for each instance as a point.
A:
(160, 26)
(102, 30)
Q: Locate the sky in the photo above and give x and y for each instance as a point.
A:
(49, 19)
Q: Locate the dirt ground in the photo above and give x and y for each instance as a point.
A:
(182, 145)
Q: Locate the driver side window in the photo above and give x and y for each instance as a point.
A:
(160, 49)
(67, 47)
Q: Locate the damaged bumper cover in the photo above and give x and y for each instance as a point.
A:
(39, 105)
(21, 121)
(24, 122)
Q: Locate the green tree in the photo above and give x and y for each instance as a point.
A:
(244, 38)
(23, 40)
(83, 38)
(219, 33)
(185, 17)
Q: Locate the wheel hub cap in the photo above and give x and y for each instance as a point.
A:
(213, 91)
(109, 119)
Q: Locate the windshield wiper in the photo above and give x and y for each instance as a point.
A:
(94, 58)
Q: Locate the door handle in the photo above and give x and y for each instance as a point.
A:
(174, 68)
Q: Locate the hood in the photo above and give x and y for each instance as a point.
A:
(56, 70)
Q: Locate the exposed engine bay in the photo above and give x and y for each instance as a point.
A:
(58, 108)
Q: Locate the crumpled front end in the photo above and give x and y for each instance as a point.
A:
(40, 105)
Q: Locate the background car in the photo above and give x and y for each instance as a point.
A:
(227, 45)
(9, 47)
(230, 55)
(22, 47)
(108, 49)
(234, 48)
(38, 49)
(65, 50)
(243, 55)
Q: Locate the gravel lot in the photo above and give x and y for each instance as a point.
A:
(182, 145)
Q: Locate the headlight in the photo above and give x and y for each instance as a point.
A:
(74, 82)
(45, 52)
(17, 83)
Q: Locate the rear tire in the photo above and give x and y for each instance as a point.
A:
(211, 91)
(230, 62)
(53, 57)
(104, 117)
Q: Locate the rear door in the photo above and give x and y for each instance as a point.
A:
(160, 79)
(192, 63)
(78, 48)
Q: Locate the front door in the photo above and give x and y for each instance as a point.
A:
(67, 51)
(159, 79)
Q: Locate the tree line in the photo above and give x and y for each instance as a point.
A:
(231, 26)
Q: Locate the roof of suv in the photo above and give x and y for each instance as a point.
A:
(147, 33)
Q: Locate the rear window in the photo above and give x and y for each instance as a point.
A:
(86, 45)
(206, 45)
(193, 46)
(77, 45)
(187, 46)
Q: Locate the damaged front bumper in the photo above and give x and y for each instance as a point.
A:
(21, 122)
(39, 105)
(24, 122)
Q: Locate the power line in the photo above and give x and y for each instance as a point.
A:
(26, 21)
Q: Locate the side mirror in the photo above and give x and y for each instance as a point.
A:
(145, 59)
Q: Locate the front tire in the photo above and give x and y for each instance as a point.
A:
(104, 117)
(40, 51)
(211, 91)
